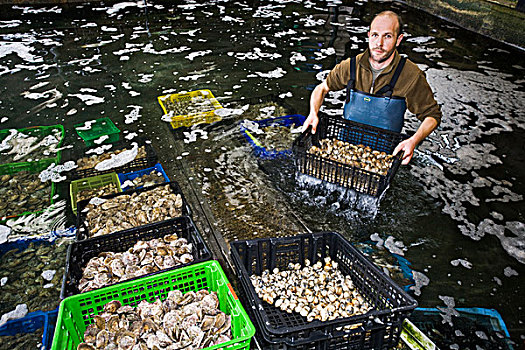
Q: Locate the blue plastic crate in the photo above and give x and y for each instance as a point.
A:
(22, 244)
(133, 175)
(258, 148)
(32, 322)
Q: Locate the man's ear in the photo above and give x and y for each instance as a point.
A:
(399, 38)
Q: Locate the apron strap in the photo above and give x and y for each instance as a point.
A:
(388, 89)
(351, 82)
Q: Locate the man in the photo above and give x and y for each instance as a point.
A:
(380, 86)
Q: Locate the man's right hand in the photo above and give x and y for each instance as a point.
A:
(312, 120)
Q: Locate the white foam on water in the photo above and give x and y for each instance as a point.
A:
(71, 111)
(22, 50)
(5, 231)
(509, 272)
(145, 78)
(19, 312)
(192, 55)
(449, 311)
(48, 274)
(225, 112)
(99, 150)
(296, 56)
(232, 19)
(101, 139)
(421, 39)
(10, 24)
(376, 238)
(48, 285)
(3, 281)
(286, 94)
(288, 32)
(420, 280)
(108, 29)
(465, 263)
(122, 5)
(118, 160)
(88, 99)
(394, 247)
(53, 171)
(131, 136)
(274, 74)
(192, 77)
(134, 115)
(265, 42)
(40, 225)
(31, 10)
(4, 119)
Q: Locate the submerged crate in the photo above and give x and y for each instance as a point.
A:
(77, 312)
(32, 322)
(260, 148)
(101, 129)
(33, 168)
(187, 109)
(79, 253)
(41, 132)
(469, 322)
(91, 183)
(377, 329)
(136, 164)
(82, 229)
(348, 176)
(133, 175)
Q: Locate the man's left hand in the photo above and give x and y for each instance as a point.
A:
(407, 147)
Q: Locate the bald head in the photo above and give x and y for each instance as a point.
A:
(393, 16)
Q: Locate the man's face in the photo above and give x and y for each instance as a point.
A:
(383, 38)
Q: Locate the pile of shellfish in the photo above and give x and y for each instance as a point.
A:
(153, 178)
(182, 321)
(23, 191)
(316, 292)
(277, 138)
(91, 161)
(127, 211)
(22, 341)
(143, 258)
(97, 192)
(357, 156)
(197, 104)
(32, 276)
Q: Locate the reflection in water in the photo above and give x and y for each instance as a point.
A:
(461, 199)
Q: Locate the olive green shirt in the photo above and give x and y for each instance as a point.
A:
(412, 84)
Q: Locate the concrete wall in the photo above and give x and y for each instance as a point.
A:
(496, 19)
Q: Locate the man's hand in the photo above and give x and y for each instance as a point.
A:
(407, 147)
(312, 120)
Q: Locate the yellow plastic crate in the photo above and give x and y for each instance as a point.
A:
(194, 107)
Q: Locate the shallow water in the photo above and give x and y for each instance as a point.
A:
(461, 198)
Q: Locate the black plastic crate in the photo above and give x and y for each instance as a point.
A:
(136, 164)
(82, 229)
(79, 253)
(348, 176)
(377, 329)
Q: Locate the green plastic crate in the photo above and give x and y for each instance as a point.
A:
(37, 131)
(76, 312)
(32, 167)
(101, 127)
(89, 183)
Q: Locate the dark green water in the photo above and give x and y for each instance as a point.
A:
(461, 198)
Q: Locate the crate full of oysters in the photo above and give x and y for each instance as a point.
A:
(317, 291)
(112, 213)
(131, 254)
(349, 154)
(193, 307)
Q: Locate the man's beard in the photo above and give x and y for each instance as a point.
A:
(383, 58)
